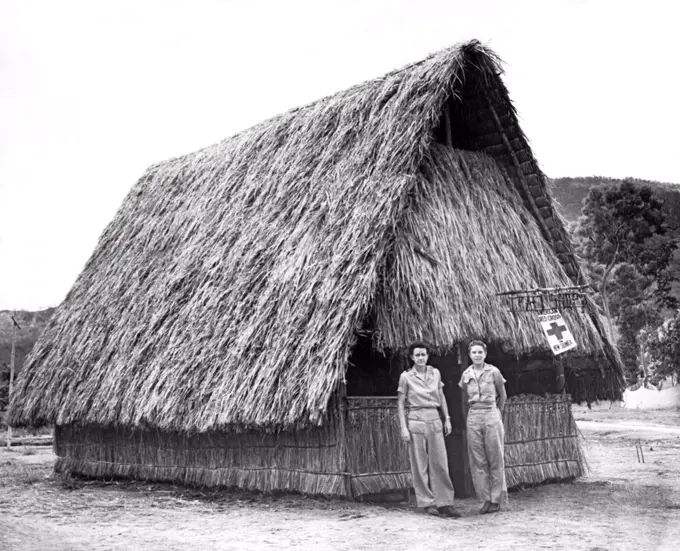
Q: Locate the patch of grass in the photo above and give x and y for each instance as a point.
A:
(32, 476)
(12, 474)
(15, 472)
(66, 481)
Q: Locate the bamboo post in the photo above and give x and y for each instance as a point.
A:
(12, 358)
(467, 475)
(341, 409)
(520, 173)
(559, 375)
(525, 187)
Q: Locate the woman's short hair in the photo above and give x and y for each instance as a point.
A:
(476, 343)
(415, 345)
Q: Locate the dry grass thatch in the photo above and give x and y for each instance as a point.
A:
(473, 239)
(228, 289)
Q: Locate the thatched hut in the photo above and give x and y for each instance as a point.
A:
(243, 318)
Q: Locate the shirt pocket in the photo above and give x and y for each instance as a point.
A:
(469, 381)
(487, 388)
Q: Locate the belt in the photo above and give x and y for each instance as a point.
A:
(482, 407)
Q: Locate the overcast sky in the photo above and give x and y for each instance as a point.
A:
(93, 92)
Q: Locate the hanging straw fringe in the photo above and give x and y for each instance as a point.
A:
(304, 461)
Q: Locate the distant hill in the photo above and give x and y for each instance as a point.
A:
(32, 325)
(570, 193)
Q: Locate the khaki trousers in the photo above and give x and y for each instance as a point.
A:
(485, 441)
(429, 464)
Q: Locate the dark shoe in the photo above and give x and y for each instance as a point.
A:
(485, 508)
(432, 510)
(494, 508)
(449, 511)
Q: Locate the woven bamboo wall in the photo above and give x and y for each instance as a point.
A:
(541, 440)
(541, 444)
(377, 459)
(308, 461)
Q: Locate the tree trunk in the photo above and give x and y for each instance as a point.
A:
(643, 365)
(605, 300)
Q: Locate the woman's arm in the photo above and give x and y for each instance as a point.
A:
(445, 411)
(405, 435)
(464, 399)
(500, 391)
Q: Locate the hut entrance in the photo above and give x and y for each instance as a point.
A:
(451, 367)
(370, 373)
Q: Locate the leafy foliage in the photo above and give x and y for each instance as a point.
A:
(616, 224)
(628, 251)
(570, 193)
(663, 345)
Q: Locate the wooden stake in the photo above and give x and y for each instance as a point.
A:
(525, 187)
(559, 375)
(341, 435)
(467, 475)
(520, 174)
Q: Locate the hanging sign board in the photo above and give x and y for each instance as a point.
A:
(556, 331)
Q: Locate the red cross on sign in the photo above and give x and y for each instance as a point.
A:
(556, 331)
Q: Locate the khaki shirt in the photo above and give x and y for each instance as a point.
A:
(481, 388)
(421, 391)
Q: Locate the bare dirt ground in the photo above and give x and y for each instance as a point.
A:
(621, 504)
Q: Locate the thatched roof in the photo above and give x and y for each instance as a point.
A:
(472, 239)
(228, 289)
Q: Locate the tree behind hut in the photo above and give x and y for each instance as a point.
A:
(623, 237)
(664, 348)
(624, 224)
(32, 324)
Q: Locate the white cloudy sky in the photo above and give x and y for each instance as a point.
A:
(93, 92)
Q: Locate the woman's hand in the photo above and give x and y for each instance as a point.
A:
(447, 427)
(405, 436)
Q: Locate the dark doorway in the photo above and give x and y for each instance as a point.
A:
(451, 367)
(371, 373)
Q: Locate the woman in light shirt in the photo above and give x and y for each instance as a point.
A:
(484, 398)
(421, 389)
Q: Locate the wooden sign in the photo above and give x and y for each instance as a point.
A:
(545, 299)
(556, 331)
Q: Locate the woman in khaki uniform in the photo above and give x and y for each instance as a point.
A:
(484, 397)
(421, 388)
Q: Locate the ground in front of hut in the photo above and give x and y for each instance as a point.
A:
(621, 504)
